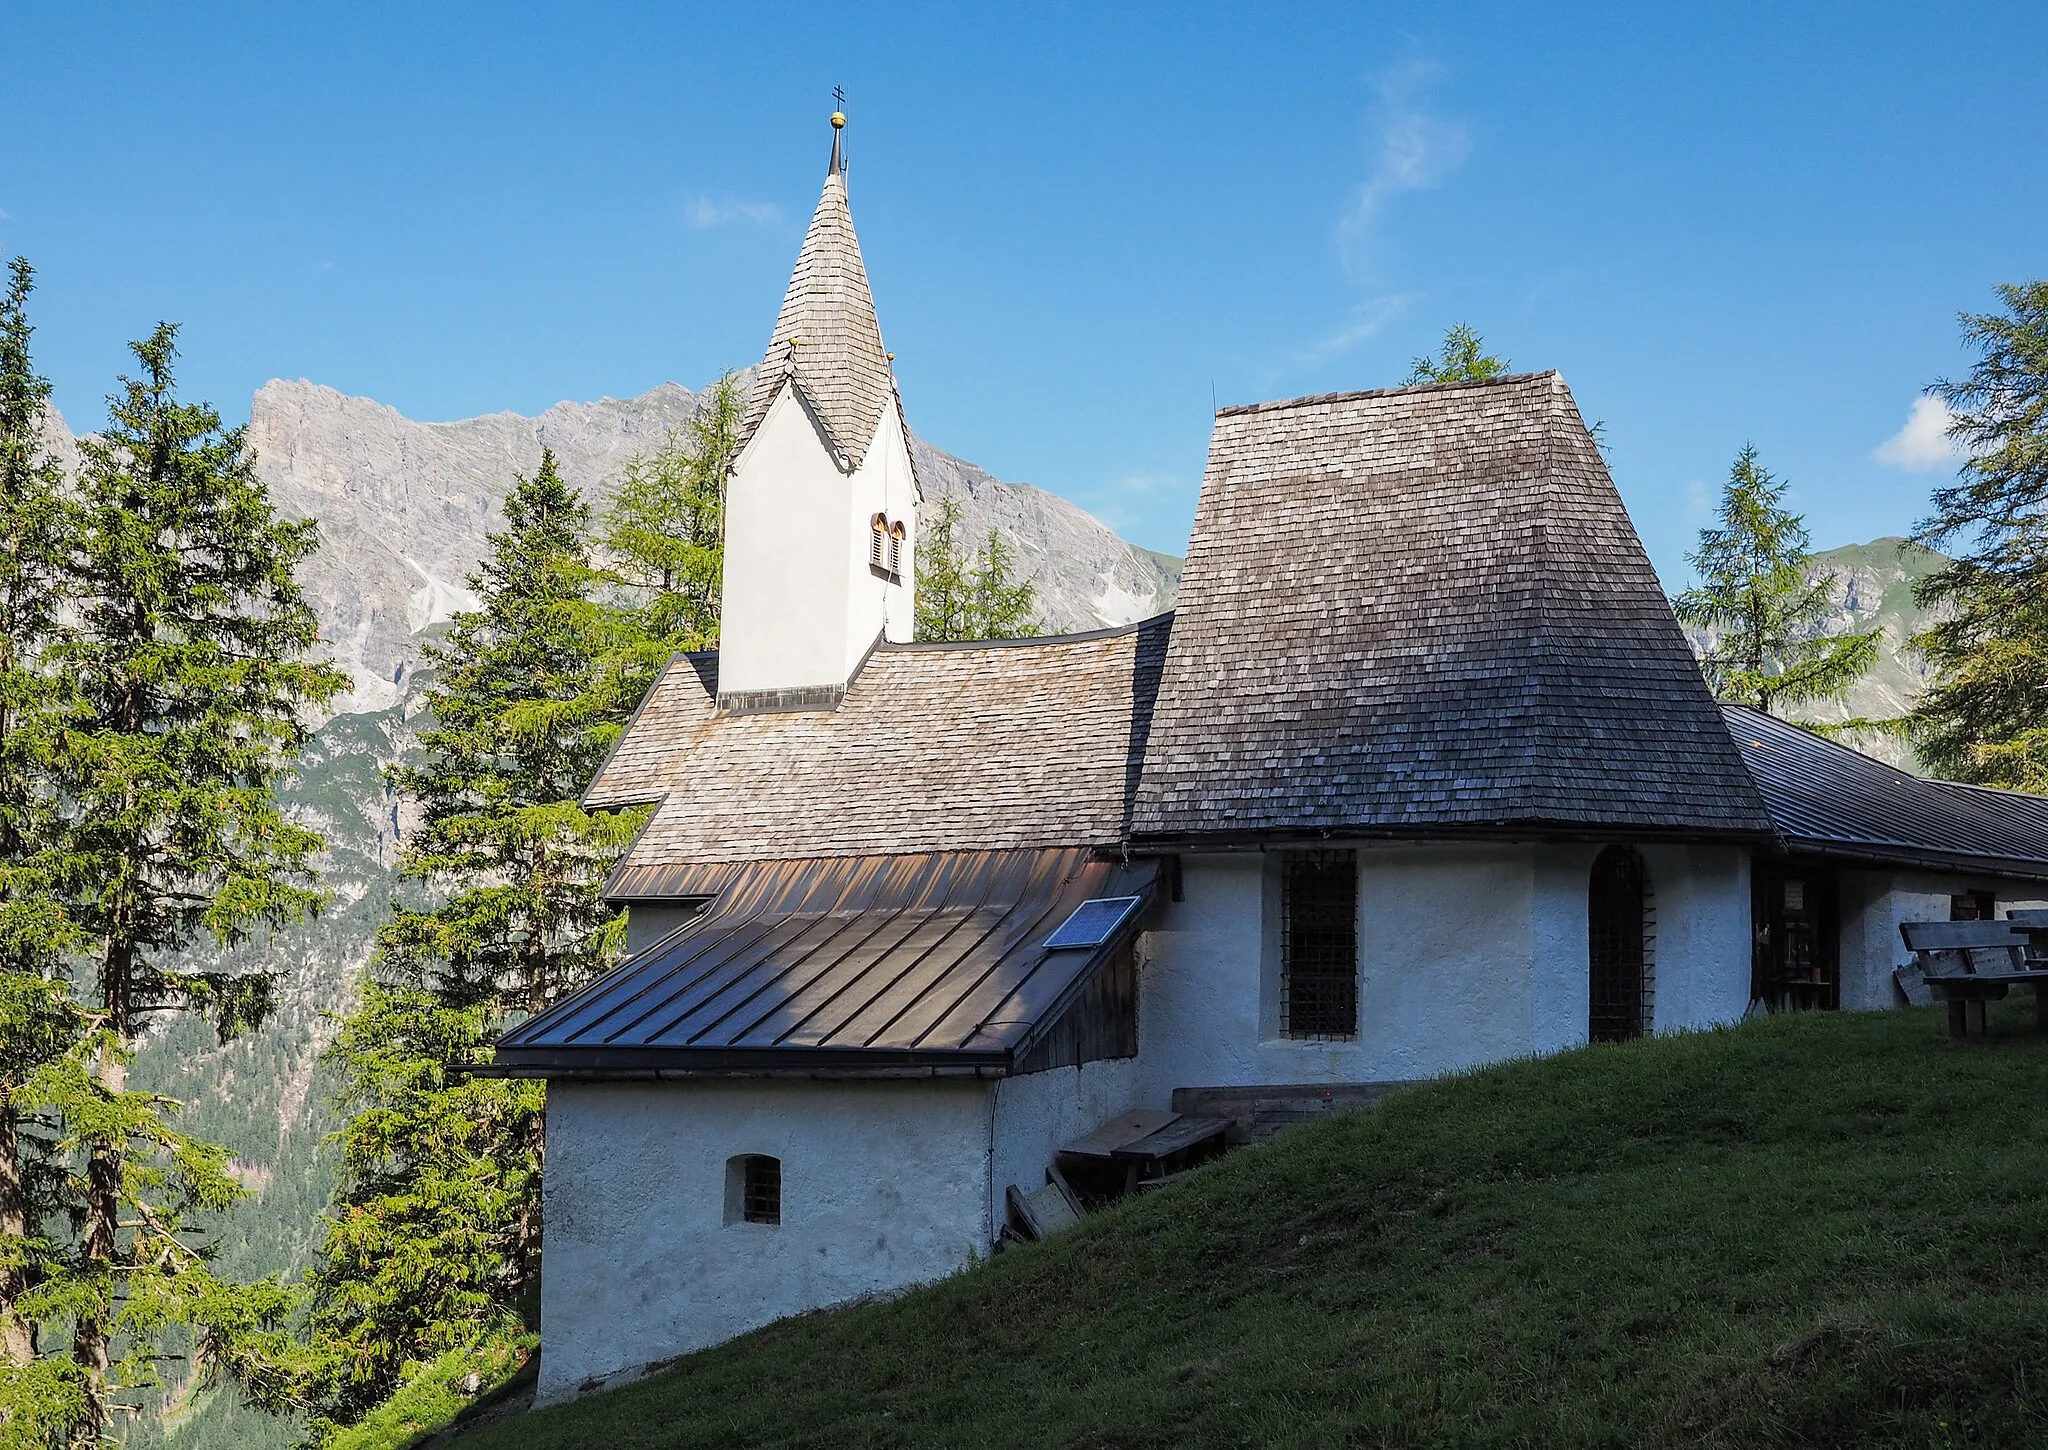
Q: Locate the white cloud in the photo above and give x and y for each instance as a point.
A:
(1923, 445)
(1698, 501)
(1416, 151)
(704, 212)
(1362, 322)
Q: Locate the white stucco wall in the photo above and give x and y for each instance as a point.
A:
(1037, 1114)
(1875, 902)
(884, 1184)
(800, 605)
(1468, 954)
(1703, 957)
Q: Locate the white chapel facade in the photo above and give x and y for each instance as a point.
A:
(1419, 775)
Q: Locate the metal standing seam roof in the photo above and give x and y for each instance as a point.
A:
(1424, 610)
(1828, 798)
(877, 964)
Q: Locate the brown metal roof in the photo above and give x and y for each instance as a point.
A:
(1425, 610)
(877, 964)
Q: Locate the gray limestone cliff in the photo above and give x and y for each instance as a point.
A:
(405, 507)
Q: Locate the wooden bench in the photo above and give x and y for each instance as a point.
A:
(2034, 922)
(1969, 963)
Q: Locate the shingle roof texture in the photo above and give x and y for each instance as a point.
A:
(880, 960)
(1425, 608)
(827, 340)
(942, 748)
(1828, 798)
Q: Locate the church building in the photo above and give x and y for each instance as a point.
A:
(1419, 775)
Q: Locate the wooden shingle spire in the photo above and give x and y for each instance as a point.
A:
(827, 342)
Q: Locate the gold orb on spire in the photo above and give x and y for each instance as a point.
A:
(838, 119)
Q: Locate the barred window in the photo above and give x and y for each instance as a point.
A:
(753, 1189)
(1319, 944)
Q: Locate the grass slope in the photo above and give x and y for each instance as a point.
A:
(1813, 1230)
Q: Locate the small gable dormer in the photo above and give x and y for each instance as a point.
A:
(821, 510)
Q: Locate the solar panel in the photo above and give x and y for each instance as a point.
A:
(1093, 922)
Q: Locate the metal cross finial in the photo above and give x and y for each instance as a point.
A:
(838, 99)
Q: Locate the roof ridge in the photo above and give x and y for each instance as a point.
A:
(1313, 399)
(1025, 641)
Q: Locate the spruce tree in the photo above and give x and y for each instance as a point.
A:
(191, 659)
(38, 1023)
(1765, 608)
(434, 1238)
(1986, 717)
(961, 597)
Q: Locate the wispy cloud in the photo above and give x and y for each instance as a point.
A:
(704, 212)
(1923, 444)
(1362, 322)
(1699, 501)
(1414, 150)
(4, 217)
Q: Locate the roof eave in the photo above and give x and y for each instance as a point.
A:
(1260, 837)
(1886, 853)
(627, 1064)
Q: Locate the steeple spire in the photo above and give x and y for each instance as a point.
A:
(838, 167)
(826, 340)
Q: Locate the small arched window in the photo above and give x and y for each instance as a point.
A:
(878, 544)
(753, 1189)
(896, 547)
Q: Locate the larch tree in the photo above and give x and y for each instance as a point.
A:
(191, 655)
(1985, 719)
(663, 536)
(1762, 605)
(433, 1241)
(969, 596)
(1463, 359)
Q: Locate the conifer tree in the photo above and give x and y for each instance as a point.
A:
(434, 1237)
(664, 533)
(38, 1025)
(190, 657)
(1762, 602)
(1986, 717)
(1463, 359)
(959, 597)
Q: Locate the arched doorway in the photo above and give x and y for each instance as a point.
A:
(1617, 920)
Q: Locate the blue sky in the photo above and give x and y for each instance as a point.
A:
(1753, 222)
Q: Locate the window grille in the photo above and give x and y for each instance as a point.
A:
(896, 549)
(1319, 945)
(753, 1189)
(1618, 934)
(878, 544)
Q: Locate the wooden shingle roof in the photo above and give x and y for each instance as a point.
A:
(1425, 610)
(995, 746)
(827, 342)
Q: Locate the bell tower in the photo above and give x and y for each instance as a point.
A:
(821, 508)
